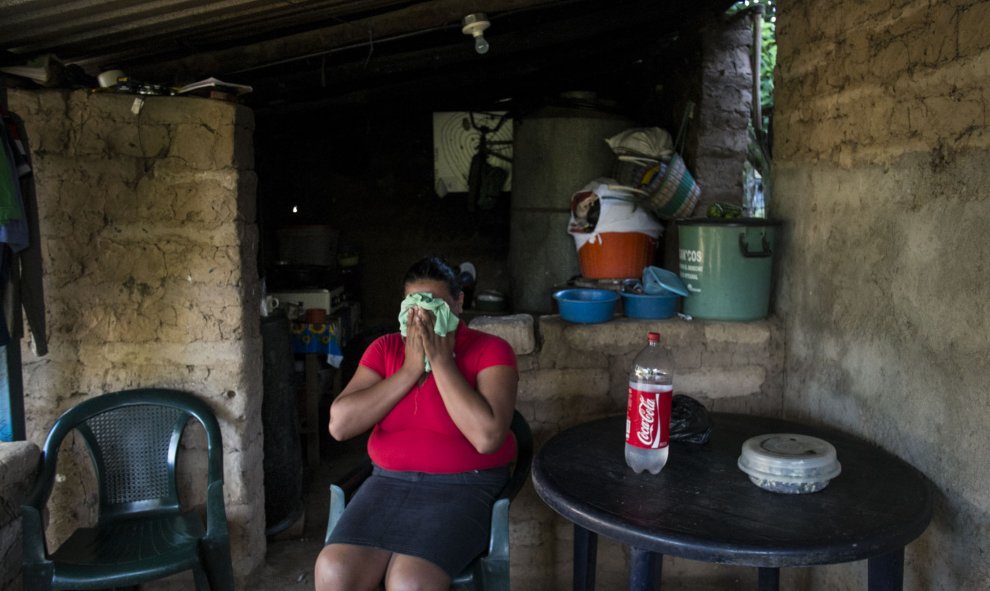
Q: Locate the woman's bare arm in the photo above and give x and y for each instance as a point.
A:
(365, 401)
(484, 414)
(368, 397)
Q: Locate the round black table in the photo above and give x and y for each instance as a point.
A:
(702, 507)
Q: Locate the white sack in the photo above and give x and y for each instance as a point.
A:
(617, 211)
(651, 142)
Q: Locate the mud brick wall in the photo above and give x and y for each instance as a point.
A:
(149, 245)
(723, 111)
(883, 183)
(719, 81)
(573, 373)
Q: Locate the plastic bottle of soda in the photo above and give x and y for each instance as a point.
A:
(648, 411)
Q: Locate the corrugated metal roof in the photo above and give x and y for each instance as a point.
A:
(105, 33)
(299, 50)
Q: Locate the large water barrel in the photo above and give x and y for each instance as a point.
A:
(279, 419)
(556, 151)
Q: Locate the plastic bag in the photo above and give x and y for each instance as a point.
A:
(689, 420)
(651, 142)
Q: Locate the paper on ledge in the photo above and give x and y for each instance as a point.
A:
(213, 83)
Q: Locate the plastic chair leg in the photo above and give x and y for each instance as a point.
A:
(494, 576)
(199, 576)
(37, 578)
(216, 567)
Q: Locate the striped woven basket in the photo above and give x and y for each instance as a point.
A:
(677, 194)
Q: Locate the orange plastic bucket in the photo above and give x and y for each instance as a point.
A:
(616, 255)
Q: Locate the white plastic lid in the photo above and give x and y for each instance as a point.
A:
(790, 458)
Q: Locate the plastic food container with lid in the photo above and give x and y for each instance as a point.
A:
(789, 463)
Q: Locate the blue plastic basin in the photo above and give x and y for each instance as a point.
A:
(650, 306)
(586, 306)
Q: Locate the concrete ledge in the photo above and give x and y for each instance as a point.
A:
(579, 371)
(517, 329)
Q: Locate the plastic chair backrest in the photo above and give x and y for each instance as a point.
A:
(133, 437)
(133, 448)
(524, 455)
(142, 534)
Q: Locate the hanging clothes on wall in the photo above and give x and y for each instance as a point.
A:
(20, 236)
(20, 271)
(13, 229)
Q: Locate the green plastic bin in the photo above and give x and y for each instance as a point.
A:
(727, 265)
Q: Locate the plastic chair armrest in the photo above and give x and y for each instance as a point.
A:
(216, 516)
(338, 501)
(342, 490)
(498, 542)
(34, 545)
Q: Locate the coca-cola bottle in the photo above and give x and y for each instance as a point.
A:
(648, 411)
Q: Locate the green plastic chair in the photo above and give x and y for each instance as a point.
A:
(141, 533)
(490, 571)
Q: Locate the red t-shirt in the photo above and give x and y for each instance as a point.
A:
(418, 435)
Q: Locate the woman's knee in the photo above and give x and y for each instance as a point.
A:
(406, 573)
(329, 572)
(337, 570)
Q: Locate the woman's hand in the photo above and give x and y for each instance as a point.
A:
(438, 348)
(368, 397)
(415, 351)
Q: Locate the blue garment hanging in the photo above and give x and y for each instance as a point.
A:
(13, 225)
(21, 287)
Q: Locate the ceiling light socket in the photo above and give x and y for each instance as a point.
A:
(475, 25)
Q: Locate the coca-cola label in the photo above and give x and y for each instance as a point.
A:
(648, 415)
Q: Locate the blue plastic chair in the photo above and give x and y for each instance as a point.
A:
(141, 533)
(490, 571)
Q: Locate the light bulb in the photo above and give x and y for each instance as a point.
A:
(481, 44)
(475, 25)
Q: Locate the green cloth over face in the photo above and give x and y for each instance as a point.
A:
(446, 321)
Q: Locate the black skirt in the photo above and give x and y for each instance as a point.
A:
(442, 518)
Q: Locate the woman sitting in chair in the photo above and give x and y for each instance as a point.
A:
(440, 401)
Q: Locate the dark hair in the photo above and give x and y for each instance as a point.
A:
(433, 268)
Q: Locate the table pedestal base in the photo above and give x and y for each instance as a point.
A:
(585, 559)
(644, 570)
(769, 579)
(886, 572)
